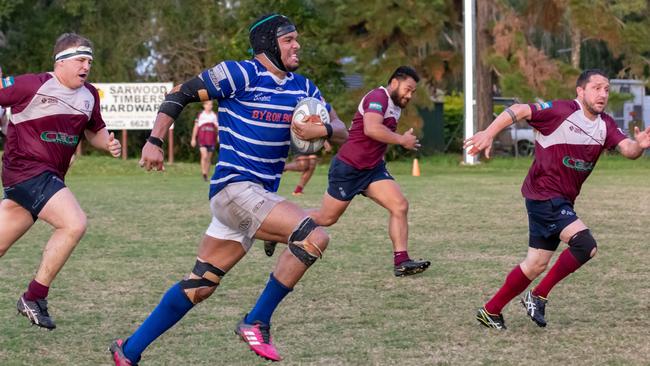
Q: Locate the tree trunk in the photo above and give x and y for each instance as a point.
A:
(483, 72)
(576, 43)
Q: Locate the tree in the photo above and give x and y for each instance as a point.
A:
(484, 84)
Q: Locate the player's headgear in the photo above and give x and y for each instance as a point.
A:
(264, 34)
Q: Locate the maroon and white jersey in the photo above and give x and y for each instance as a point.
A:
(361, 151)
(207, 128)
(567, 147)
(47, 121)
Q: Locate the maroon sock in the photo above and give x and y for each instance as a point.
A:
(36, 291)
(516, 283)
(564, 266)
(400, 257)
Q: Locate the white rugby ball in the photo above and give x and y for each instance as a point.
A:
(305, 108)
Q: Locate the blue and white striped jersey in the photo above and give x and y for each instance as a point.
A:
(255, 109)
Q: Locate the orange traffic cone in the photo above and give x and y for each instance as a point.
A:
(416, 168)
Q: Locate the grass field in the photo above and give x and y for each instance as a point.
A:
(349, 309)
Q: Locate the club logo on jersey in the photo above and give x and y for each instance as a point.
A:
(6, 82)
(60, 138)
(578, 164)
(376, 106)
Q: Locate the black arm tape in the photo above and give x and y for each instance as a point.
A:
(512, 115)
(581, 245)
(330, 130)
(189, 92)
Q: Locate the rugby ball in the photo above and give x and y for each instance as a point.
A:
(308, 107)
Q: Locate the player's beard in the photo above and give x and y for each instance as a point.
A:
(592, 109)
(397, 99)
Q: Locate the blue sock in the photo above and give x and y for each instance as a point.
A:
(272, 295)
(172, 307)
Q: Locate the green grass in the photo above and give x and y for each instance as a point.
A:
(349, 309)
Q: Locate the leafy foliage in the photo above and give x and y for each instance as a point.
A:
(532, 55)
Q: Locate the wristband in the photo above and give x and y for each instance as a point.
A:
(155, 141)
(329, 129)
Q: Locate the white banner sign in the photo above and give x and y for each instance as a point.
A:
(131, 106)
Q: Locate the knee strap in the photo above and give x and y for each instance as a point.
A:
(199, 289)
(581, 245)
(300, 247)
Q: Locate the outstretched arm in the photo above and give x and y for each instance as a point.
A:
(482, 140)
(102, 140)
(632, 149)
(373, 127)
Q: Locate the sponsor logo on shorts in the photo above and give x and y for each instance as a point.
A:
(342, 192)
(567, 212)
(258, 206)
(60, 138)
(578, 164)
(376, 106)
(244, 225)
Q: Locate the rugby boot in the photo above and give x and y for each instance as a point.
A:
(269, 247)
(118, 354)
(298, 191)
(411, 267)
(490, 320)
(258, 338)
(535, 308)
(36, 312)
